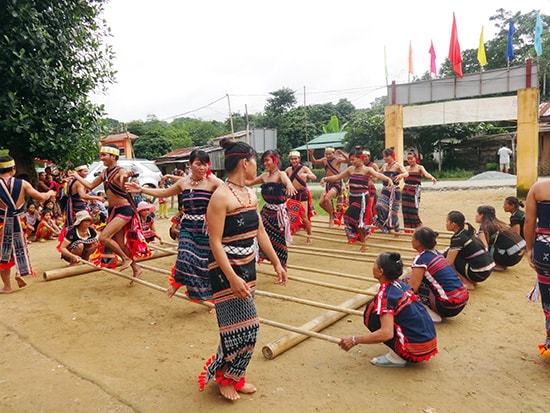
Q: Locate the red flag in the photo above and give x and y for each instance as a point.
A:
(433, 69)
(411, 69)
(454, 50)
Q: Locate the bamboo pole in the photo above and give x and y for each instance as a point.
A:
(308, 302)
(369, 244)
(320, 284)
(277, 296)
(363, 254)
(272, 323)
(59, 273)
(279, 346)
(327, 272)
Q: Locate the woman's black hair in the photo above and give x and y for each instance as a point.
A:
(459, 219)
(489, 221)
(357, 151)
(426, 236)
(200, 155)
(391, 264)
(274, 154)
(516, 203)
(234, 152)
(388, 151)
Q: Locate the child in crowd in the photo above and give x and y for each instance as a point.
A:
(163, 208)
(31, 218)
(433, 279)
(98, 216)
(147, 219)
(467, 254)
(396, 318)
(47, 229)
(174, 230)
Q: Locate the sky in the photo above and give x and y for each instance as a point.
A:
(204, 58)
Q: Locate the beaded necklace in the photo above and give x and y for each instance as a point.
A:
(230, 186)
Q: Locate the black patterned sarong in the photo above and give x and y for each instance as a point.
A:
(275, 219)
(237, 317)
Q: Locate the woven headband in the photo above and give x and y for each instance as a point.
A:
(294, 153)
(7, 164)
(110, 150)
(81, 167)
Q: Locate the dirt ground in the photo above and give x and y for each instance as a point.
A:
(91, 343)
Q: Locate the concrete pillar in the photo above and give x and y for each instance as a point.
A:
(393, 128)
(527, 155)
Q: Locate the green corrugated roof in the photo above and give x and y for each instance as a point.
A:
(324, 140)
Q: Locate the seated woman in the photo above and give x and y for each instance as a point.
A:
(471, 261)
(81, 239)
(506, 246)
(395, 318)
(433, 279)
(517, 216)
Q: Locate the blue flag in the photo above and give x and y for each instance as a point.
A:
(538, 34)
(510, 49)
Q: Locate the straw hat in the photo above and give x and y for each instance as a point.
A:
(81, 216)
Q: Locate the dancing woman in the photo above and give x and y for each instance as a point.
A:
(191, 268)
(537, 236)
(276, 186)
(387, 205)
(411, 191)
(357, 216)
(234, 225)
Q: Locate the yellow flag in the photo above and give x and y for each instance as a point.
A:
(481, 58)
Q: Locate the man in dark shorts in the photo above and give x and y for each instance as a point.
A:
(121, 208)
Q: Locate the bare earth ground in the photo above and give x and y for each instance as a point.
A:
(90, 343)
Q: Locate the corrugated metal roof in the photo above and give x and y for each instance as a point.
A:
(322, 141)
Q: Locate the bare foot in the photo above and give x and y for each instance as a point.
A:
(125, 264)
(212, 310)
(248, 388)
(228, 391)
(170, 291)
(6, 291)
(308, 241)
(137, 271)
(363, 248)
(20, 282)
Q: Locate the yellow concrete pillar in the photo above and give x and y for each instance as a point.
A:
(527, 154)
(393, 128)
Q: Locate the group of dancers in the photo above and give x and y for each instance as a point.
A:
(221, 232)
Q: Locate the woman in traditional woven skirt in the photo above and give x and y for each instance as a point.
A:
(234, 226)
(191, 268)
(276, 186)
(395, 318)
(537, 236)
(357, 216)
(411, 191)
(387, 205)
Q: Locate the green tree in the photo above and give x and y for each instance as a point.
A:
(151, 148)
(52, 56)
